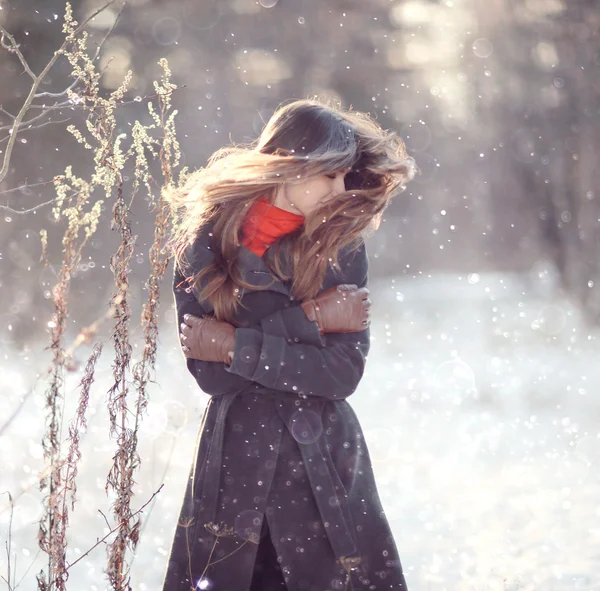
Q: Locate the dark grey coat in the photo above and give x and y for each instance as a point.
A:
(278, 440)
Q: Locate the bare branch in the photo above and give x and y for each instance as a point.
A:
(65, 104)
(9, 545)
(140, 510)
(39, 126)
(58, 94)
(52, 122)
(24, 211)
(7, 113)
(17, 410)
(14, 48)
(109, 32)
(24, 124)
(92, 16)
(28, 186)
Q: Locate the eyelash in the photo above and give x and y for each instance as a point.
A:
(333, 175)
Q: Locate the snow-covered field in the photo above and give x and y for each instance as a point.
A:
(480, 409)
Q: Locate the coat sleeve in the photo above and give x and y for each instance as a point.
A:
(289, 323)
(332, 371)
(211, 377)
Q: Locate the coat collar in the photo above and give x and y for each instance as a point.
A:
(255, 271)
(253, 267)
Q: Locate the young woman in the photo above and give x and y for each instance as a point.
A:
(270, 290)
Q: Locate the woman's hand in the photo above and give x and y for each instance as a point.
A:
(207, 338)
(341, 308)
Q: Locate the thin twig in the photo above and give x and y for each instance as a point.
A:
(114, 529)
(105, 518)
(27, 570)
(230, 554)
(47, 123)
(7, 113)
(109, 32)
(9, 545)
(68, 104)
(14, 48)
(16, 411)
(71, 105)
(50, 585)
(27, 185)
(25, 211)
(167, 465)
(58, 94)
(24, 123)
(38, 126)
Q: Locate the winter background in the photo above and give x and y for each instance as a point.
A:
(480, 398)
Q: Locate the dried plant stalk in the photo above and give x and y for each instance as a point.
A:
(74, 204)
(73, 195)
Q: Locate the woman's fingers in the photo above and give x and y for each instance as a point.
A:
(192, 323)
(186, 328)
(191, 320)
(347, 287)
(367, 310)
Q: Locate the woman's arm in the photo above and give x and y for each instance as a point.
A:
(210, 376)
(332, 371)
(290, 323)
(333, 363)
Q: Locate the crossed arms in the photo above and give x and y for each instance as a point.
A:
(285, 350)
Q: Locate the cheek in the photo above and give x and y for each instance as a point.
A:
(316, 190)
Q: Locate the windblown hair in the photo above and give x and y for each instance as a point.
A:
(302, 138)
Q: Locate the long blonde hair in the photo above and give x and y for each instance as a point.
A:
(303, 138)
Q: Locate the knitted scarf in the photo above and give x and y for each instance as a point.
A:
(264, 223)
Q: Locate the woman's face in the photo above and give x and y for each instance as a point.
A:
(305, 196)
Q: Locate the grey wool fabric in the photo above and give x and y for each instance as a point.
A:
(279, 441)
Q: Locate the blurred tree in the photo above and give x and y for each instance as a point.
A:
(494, 101)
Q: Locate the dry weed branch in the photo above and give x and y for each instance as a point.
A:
(13, 47)
(74, 204)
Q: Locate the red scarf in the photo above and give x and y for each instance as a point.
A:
(264, 223)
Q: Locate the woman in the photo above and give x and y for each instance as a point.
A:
(270, 289)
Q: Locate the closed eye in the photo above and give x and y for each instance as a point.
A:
(334, 174)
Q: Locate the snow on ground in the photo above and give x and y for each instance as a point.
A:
(481, 413)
